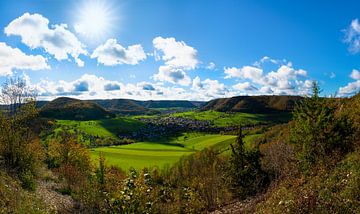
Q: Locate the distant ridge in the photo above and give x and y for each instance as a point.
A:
(253, 104)
(169, 104)
(74, 109)
(124, 106)
(132, 107)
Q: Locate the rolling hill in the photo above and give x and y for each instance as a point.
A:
(168, 104)
(73, 109)
(124, 106)
(253, 104)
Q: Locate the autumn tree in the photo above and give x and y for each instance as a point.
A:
(15, 92)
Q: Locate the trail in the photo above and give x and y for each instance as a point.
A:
(246, 206)
(58, 203)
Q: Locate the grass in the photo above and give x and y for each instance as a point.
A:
(222, 119)
(104, 127)
(149, 154)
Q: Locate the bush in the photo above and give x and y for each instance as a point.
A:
(19, 147)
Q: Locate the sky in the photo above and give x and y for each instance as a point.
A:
(186, 50)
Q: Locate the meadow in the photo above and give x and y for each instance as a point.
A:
(148, 154)
(104, 127)
(222, 119)
(163, 154)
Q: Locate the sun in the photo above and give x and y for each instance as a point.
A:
(95, 19)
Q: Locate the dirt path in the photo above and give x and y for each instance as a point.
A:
(245, 206)
(59, 203)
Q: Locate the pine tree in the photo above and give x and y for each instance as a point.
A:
(245, 173)
(316, 130)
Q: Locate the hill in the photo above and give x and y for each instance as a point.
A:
(253, 104)
(74, 109)
(168, 104)
(124, 106)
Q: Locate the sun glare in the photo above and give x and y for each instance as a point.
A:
(95, 19)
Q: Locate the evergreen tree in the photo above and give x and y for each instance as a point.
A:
(245, 173)
(317, 130)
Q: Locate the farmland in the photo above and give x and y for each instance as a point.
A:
(164, 150)
(222, 119)
(161, 154)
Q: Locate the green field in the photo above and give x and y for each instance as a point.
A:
(147, 154)
(105, 127)
(222, 119)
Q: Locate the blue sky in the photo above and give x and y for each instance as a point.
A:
(196, 50)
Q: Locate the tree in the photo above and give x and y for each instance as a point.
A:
(317, 131)
(15, 92)
(245, 173)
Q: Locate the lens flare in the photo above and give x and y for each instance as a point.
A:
(95, 19)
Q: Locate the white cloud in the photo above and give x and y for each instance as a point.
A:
(57, 40)
(266, 59)
(211, 66)
(14, 58)
(175, 76)
(355, 74)
(146, 86)
(178, 58)
(352, 87)
(246, 86)
(111, 53)
(284, 80)
(246, 72)
(93, 87)
(352, 36)
(196, 84)
(209, 88)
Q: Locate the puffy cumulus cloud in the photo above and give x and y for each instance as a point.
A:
(14, 58)
(112, 86)
(57, 40)
(112, 53)
(355, 74)
(246, 86)
(209, 89)
(196, 83)
(175, 76)
(246, 72)
(352, 36)
(146, 86)
(81, 86)
(284, 80)
(86, 86)
(95, 87)
(178, 57)
(352, 87)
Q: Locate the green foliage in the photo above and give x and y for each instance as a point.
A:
(71, 160)
(19, 147)
(245, 174)
(330, 190)
(317, 131)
